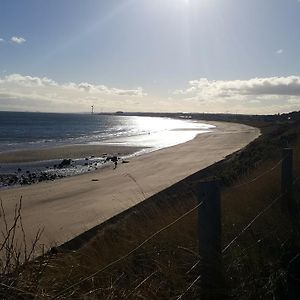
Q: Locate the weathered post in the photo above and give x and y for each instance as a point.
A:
(287, 181)
(209, 235)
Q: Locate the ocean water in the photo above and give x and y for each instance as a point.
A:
(22, 130)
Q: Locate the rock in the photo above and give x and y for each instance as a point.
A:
(65, 163)
(13, 180)
(53, 177)
(19, 169)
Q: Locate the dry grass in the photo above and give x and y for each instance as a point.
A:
(257, 266)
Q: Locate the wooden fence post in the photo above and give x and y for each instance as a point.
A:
(287, 181)
(209, 235)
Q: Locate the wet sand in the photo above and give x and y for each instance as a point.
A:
(73, 151)
(70, 206)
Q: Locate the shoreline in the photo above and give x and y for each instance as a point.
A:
(72, 205)
(31, 166)
(61, 152)
(24, 167)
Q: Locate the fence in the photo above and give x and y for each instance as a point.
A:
(209, 267)
(210, 276)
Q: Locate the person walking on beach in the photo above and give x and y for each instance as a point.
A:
(115, 161)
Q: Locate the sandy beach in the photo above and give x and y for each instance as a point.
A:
(69, 206)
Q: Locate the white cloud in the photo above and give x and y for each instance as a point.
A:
(28, 81)
(102, 89)
(39, 92)
(279, 51)
(294, 100)
(256, 95)
(1, 40)
(204, 88)
(18, 40)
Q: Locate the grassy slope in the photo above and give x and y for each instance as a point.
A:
(256, 266)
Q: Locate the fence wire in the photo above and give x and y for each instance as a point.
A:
(174, 222)
(264, 210)
(129, 253)
(259, 176)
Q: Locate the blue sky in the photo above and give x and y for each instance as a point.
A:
(152, 55)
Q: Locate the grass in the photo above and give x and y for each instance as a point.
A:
(261, 264)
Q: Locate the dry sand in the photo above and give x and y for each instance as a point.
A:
(69, 206)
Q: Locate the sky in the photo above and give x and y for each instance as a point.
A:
(235, 56)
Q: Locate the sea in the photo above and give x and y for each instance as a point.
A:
(27, 130)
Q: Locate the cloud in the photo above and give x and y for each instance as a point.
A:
(136, 92)
(289, 86)
(28, 81)
(41, 91)
(18, 40)
(279, 51)
(259, 95)
(1, 40)
(102, 89)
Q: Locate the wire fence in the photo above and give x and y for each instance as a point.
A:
(152, 236)
(130, 252)
(264, 210)
(244, 229)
